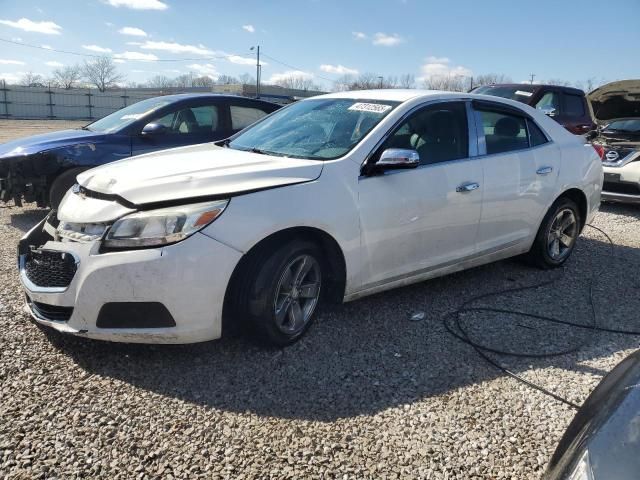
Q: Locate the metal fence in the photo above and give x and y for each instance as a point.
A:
(57, 103)
(43, 102)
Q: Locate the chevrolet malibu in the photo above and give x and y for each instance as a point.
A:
(335, 197)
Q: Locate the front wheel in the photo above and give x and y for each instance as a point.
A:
(280, 290)
(557, 235)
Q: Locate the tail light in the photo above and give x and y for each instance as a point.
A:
(599, 150)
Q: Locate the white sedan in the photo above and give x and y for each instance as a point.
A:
(336, 197)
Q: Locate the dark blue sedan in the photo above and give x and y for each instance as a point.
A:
(43, 167)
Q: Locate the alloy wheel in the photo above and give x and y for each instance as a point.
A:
(562, 234)
(297, 294)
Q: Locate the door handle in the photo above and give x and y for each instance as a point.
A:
(467, 187)
(544, 170)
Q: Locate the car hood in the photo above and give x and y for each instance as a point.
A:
(47, 141)
(197, 171)
(619, 99)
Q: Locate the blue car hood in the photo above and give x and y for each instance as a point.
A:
(48, 141)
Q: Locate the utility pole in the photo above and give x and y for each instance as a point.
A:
(258, 70)
(380, 78)
(533, 75)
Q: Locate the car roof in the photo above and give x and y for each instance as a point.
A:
(536, 86)
(191, 95)
(402, 95)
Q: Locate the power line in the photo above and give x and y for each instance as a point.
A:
(294, 68)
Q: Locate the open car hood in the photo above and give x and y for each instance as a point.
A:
(197, 171)
(619, 99)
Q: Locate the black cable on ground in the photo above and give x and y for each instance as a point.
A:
(458, 330)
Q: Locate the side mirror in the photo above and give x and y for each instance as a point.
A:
(397, 159)
(550, 111)
(153, 129)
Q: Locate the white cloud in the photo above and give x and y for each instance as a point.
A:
(108, 24)
(206, 70)
(138, 56)
(338, 69)
(243, 60)
(249, 28)
(172, 70)
(27, 25)
(138, 4)
(387, 40)
(48, 47)
(118, 60)
(176, 47)
(359, 35)
(278, 77)
(16, 39)
(13, 77)
(441, 67)
(54, 64)
(11, 62)
(135, 44)
(96, 48)
(136, 32)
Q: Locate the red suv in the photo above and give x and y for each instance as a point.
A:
(568, 106)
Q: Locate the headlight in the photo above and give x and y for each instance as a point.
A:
(162, 226)
(583, 469)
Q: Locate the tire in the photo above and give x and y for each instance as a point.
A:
(277, 303)
(61, 184)
(557, 235)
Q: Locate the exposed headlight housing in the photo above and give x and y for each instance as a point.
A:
(582, 471)
(162, 226)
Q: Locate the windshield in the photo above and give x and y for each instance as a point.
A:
(521, 93)
(630, 125)
(127, 115)
(321, 129)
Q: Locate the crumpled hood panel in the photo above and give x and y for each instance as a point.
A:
(616, 100)
(195, 171)
(47, 141)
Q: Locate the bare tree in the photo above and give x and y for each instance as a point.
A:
(183, 81)
(297, 82)
(558, 81)
(31, 79)
(448, 83)
(489, 79)
(160, 81)
(102, 73)
(247, 79)
(407, 80)
(203, 82)
(226, 80)
(67, 77)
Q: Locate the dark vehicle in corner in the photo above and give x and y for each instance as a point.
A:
(566, 105)
(42, 168)
(616, 107)
(602, 441)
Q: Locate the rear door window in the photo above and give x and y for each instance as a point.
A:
(503, 131)
(536, 136)
(573, 105)
(242, 117)
(549, 100)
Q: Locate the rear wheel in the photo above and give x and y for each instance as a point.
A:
(557, 235)
(279, 290)
(61, 184)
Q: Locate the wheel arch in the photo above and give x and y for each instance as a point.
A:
(579, 197)
(333, 260)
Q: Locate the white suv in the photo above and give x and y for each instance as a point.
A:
(338, 196)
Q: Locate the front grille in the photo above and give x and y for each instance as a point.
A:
(620, 187)
(50, 312)
(47, 268)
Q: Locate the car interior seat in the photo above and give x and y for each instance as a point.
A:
(505, 136)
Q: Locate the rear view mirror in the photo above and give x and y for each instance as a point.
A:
(549, 111)
(153, 129)
(398, 158)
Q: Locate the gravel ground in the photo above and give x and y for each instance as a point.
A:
(366, 394)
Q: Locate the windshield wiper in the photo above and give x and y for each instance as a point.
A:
(224, 143)
(86, 128)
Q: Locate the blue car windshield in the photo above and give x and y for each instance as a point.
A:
(125, 117)
(320, 129)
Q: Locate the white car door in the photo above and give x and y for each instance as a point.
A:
(520, 174)
(416, 220)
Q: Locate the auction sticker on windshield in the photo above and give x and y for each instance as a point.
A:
(370, 107)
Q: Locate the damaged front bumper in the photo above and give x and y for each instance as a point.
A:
(173, 294)
(17, 184)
